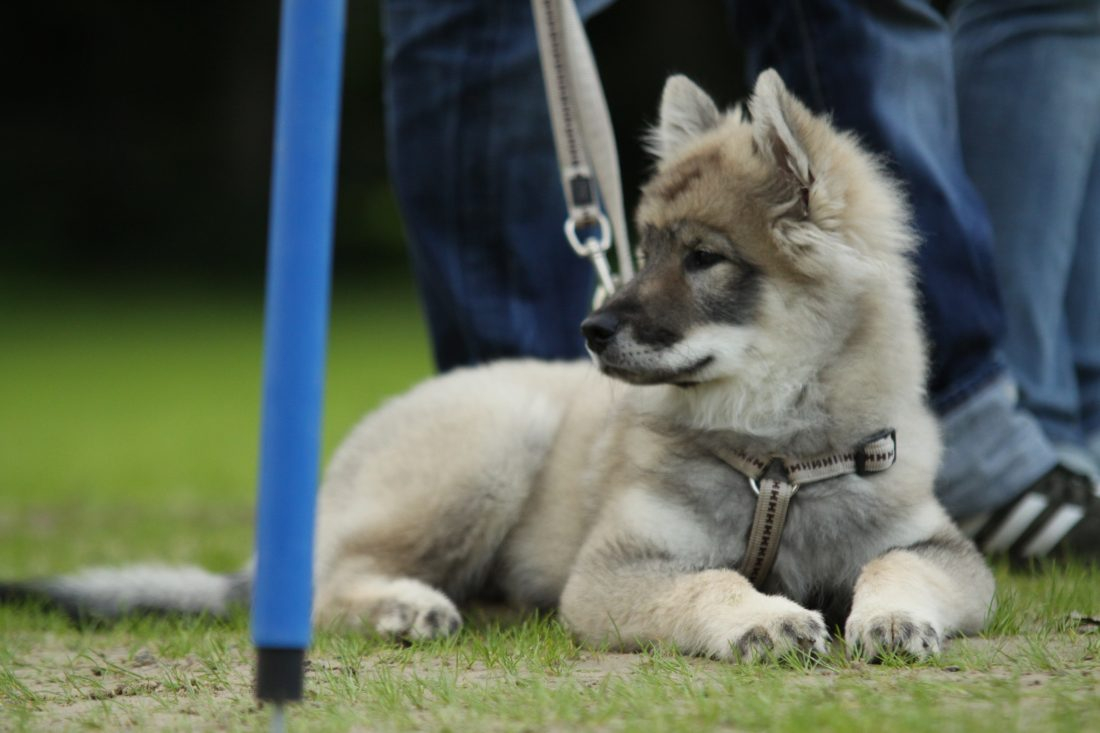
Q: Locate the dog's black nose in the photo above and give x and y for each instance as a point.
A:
(599, 329)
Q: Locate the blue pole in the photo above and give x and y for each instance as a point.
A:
(296, 322)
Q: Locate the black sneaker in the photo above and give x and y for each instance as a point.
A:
(1057, 517)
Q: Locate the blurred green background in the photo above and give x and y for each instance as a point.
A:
(135, 148)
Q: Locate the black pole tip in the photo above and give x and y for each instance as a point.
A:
(280, 674)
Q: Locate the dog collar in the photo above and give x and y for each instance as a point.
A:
(776, 479)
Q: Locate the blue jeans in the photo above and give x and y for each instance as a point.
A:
(471, 158)
(885, 70)
(1028, 77)
(473, 165)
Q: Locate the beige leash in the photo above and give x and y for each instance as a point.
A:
(584, 140)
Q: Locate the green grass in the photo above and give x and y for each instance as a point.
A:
(128, 431)
(128, 420)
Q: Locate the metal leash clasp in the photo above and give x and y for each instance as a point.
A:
(594, 248)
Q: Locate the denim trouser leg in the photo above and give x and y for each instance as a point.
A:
(884, 69)
(1028, 74)
(471, 157)
(1083, 311)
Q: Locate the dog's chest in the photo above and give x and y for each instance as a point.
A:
(832, 528)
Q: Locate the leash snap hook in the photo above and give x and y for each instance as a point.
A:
(594, 247)
(596, 243)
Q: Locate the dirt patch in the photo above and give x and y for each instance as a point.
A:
(57, 688)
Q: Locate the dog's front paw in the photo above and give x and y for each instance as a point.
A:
(875, 635)
(774, 626)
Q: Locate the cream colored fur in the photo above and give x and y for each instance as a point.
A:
(556, 486)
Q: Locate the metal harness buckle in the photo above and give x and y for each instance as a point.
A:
(775, 465)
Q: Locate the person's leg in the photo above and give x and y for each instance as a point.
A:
(1083, 317)
(884, 69)
(1028, 82)
(1083, 310)
(471, 157)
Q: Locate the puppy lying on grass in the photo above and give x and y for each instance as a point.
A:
(753, 467)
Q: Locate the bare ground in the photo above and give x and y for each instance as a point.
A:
(119, 688)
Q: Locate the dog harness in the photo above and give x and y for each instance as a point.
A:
(775, 481)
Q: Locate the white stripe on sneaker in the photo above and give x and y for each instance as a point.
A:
(1067, 516)
(1016, 523)
(971, 526)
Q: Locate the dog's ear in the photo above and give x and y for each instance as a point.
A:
(686, 112)
(814, 175)
(779, 131)
(804, 205)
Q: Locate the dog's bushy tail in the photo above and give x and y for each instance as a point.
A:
(106, 594)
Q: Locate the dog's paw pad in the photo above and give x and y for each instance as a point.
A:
(419, 618)
(756, 642)
(876, 636)
(797, 631)
(806, 635)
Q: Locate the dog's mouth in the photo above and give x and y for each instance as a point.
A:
(680, 377)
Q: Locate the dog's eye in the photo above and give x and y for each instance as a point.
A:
(701, 259)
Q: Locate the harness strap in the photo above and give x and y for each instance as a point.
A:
(775, 482)
(876, 453)
(773, 497)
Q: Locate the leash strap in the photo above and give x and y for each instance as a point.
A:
(584, 140)
(775, 482)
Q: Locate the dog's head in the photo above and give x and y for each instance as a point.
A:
(765, 243)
